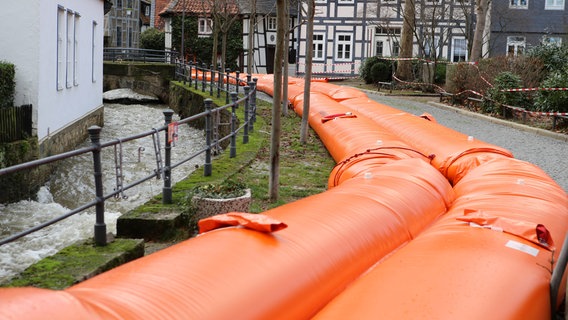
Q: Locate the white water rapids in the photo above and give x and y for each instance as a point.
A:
(73, 185)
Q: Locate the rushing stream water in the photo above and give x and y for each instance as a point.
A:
(72, 185)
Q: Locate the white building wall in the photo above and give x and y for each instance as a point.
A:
(28, 29)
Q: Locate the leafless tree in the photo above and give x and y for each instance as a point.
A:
(404, 68)
(481, 9)
(281, 26)
(308, 74)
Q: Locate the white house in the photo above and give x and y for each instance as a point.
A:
(57, 48)
(346, 32)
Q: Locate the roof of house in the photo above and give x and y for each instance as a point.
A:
(266, 7)
(196, 7)
(160, 6)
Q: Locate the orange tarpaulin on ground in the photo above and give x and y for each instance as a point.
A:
(388, 240)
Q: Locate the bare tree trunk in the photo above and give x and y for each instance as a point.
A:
(281, 24)
(252, 19)
(285, 75)
(481, 8)
(308, 75)
(223, 50)
(404, 69)
(215, 45)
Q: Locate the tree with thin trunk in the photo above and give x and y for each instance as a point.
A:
(286, 64)
(252, 20)
(281, 26)
(308, 75)
(481, 9)
(404, 69)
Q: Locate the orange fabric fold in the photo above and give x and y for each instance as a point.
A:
(258, 222)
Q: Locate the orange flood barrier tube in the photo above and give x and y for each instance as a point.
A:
(239, 273)
(392, 239)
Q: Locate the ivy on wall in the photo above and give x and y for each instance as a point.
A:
(7, 84)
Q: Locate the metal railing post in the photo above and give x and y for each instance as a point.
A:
(227, 70)
(203, 77)
(246, 128)
(219, 82)
(100, 226)
(196, 75)
(249, 78)
(207, 168)
(234, 107)
(237, 81)
(252, 103)
(167, 189)
(212, 81)
(190, 67)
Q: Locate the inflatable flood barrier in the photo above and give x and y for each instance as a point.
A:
(390, 239)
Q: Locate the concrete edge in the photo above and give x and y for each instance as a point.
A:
(520, 126)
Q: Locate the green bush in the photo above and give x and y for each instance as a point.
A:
(440, 73)
(153, 39)
(553, 100)
(7, 84)
(554, 58)
(365, 71)
(375, 70)
(506, 80)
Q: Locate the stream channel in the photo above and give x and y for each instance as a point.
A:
(73, 184)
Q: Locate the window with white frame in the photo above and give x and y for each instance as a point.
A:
(343, 47)
(204, 26)
(459, 49)
(93, 50)
(76, 49)
(320, 1)
(519, 4)
(345, 1)
(552, 41)
(379, 48)
(395, 49)
(69, 50)
(554, 5)
(319, 45)
(430, 46)
(516, 46)
(61, 50)
(271, 23)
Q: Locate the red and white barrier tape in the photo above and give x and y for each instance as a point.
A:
(533, 89)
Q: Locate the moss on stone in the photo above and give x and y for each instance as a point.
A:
(78, 262)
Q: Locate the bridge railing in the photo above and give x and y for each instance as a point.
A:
(140, 55)
(164, 166)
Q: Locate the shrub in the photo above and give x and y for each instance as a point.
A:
(226, 190)
(152, 39)
(505, 80)
(553, 58)
(553, 100)
(440, 73)
(381, 71)
(375, 70)
(365, 71)
(7, 84)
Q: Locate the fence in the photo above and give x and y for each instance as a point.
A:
(163, 164)
(141, 55)
(15, 123)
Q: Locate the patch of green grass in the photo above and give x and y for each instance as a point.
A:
(78, 262)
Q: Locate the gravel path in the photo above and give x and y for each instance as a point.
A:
(547, 150)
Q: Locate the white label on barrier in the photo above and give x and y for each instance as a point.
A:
(522, 247)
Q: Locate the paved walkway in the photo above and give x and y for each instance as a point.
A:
(547, 150)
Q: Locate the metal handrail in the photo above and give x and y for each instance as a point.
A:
(141, 55)
(165, 171)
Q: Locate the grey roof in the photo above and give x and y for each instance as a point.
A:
(266, 7)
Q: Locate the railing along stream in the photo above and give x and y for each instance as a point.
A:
(164, 166)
